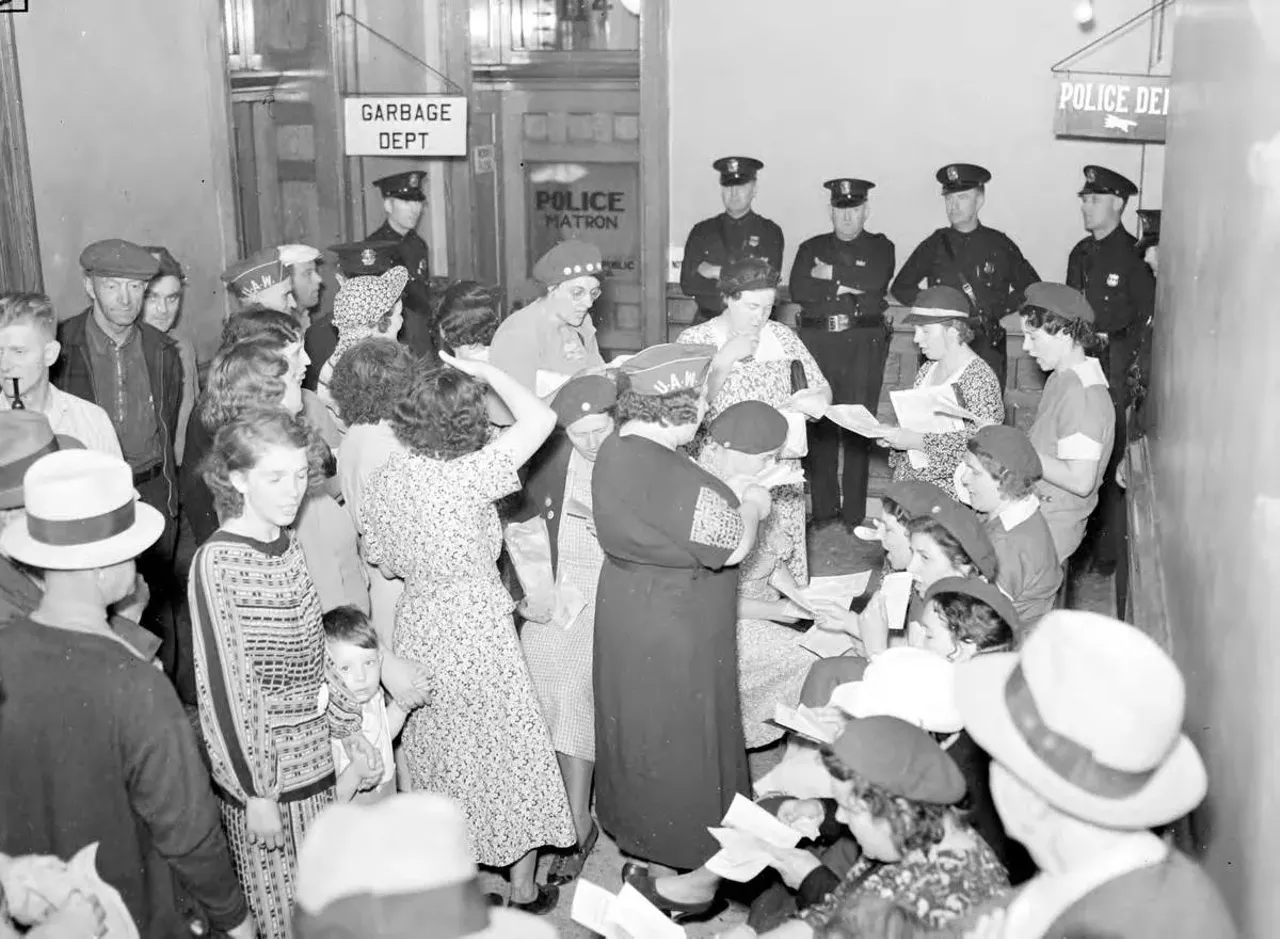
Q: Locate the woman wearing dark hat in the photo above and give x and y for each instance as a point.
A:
(559, 650)
(669, 748)
(897, 792)
(743, 443)
(754, 361)
(554, 334)
(942, 320)
(1075, 423)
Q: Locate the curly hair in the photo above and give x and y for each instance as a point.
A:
(1082, 333)
(746, 274)
(1011, 485)
(369, 379)
(248, 374)
(915, 826)
(238, 446)
(469, 315)
(259, 321)
(670, 410)
(442, 414)
(973, 621)
(959, 558)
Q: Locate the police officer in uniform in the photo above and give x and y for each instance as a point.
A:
(840, 279)
(403, 201)
(734, 234)
(982, 262)
(1106, 267)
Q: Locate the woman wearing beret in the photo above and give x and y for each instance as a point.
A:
(559, 653)
(554, 334)
(743, 443)
(1075, 424)
(669, 748)
(942, 320)
(753, 362)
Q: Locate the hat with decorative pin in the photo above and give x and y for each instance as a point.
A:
(960, 177)
(366, 258)
(749, 427)
(567, 260)
(1099, 179)
(407, 186)
(261, 273)
(667, 368)
(583, 396)
(737, 170)
(847, 193)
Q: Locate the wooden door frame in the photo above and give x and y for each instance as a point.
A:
(20, 267)
(655, 179)
(455, 20)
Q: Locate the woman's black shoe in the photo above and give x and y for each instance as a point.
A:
(638, 877)
(542, 904)
(566, 868)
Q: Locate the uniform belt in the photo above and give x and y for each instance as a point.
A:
(839, 322)
(146, 475)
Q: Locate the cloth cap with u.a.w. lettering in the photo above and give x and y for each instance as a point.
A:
(667, 368)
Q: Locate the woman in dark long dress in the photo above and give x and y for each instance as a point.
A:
(669, 749)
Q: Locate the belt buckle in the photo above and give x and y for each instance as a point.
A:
(837, 323)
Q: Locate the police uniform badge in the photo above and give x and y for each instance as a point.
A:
(860, 262)
(1090, 175)
(845, 187)
(368, 256)
(1113, 280)
(754, 241)
(422, 269)
(953, 174)
(733, 165)
(414, 179)
(988, 268)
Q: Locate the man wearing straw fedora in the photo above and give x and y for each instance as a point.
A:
(94, 744)
(1084, 728)
(400, 869)
(26, 436)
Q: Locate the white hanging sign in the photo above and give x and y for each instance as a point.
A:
(406, 126)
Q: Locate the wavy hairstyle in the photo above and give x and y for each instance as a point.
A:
(971, 620)
(675, 409)
(1082, 333)
(240, 443)
(259, 321)
(442, 414)
(915, 826)
(369, 379)
(956, 554)
(469, 315)
(245, 375)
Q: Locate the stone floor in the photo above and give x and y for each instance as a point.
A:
(831, 551)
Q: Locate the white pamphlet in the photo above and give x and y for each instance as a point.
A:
(546, 382)
(895, 590)
(744, 839)
(917, 410)
(801, 720)
(856, 418)
(826, 643)
(625, 915)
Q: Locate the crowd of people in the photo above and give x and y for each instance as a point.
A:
(295, 641)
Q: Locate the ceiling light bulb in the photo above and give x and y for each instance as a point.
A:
(1084, 12)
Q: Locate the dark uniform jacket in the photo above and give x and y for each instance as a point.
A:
(1114, 279)
(721, 239)
(414, 254)
(543, 493)
(986, 258)
(74, 375)
(865, 263)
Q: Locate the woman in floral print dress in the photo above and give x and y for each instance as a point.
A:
(429, 518)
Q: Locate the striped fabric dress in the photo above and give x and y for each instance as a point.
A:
(269, 704)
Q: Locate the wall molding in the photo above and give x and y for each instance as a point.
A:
(20, 267)
(655, 175)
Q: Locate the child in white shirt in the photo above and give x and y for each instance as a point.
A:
(353, 644)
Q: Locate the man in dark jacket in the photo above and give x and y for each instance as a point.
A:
(133, 372)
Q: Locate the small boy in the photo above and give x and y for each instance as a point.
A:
(353, 643)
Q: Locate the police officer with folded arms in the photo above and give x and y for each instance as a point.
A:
(982, 262)
(733, 235)
(839, 279)
(1108, 269)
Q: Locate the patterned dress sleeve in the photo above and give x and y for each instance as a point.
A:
(798, 350)
(700, 335)
(373, 516)
(491, 472)
(981, 392)
(233, 711)
(715, 527)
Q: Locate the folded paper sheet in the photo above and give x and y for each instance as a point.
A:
(856, 418)
(918, 409)
(625, 915)
(529, 546)
(803, 721)
(896, 590)
(546, 382)
(745, 837)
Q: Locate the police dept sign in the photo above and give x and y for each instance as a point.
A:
(1112, 107)
(414, 125)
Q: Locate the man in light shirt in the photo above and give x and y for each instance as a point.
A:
(28, 347)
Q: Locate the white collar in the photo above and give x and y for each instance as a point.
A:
(1090, 372)
(1047, 896)
(1014, 515)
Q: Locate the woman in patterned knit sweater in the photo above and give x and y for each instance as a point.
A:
(269, 699)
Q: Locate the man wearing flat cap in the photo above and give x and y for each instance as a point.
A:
(130, 369)
(736, 233)
(403, 202)
(982, 262)
(840, 280)
(1106, 267)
